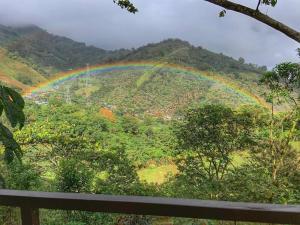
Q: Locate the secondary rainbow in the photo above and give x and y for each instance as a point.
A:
(150, 67)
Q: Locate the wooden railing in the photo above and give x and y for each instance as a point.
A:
(30, 203)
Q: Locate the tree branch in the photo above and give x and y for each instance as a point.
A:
(288, 31)
(258, 4)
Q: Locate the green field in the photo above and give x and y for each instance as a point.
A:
(157, 174)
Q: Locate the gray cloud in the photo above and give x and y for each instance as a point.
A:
(103, 24)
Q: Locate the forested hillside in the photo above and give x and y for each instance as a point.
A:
(31, 55)
(181, 52)
(52, 53)
(49, 52)
(17, 72)
(158, 92)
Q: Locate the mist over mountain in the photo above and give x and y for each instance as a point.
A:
(54, 53)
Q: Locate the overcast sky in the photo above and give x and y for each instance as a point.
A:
(103, 24)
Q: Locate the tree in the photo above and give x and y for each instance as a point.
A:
(272, 172)
(253, 13)
(73, 176)
(12, 104)
(22, 177)
(241, 60)
(206, 138)
(120, 174)
(253, 181)
(282, 82)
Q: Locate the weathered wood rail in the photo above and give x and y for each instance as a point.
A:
(30, 203)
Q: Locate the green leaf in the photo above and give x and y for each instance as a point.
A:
(270, 2)
(126, 4)
(12, 148)
(222, 13)
(13, 105)
(273, 2)
(1, 107)
(2, 182)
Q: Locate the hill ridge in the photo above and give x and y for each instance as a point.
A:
(153, 91)
(54, 53)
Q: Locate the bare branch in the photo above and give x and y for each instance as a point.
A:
(258, 4)
(254, 13)
(288, 31)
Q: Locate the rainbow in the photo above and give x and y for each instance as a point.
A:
(150, 67)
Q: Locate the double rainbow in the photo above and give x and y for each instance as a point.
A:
(149, 67)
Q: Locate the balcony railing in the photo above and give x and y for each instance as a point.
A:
(30, 203)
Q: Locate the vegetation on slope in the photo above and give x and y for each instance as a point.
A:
(30, 54)
(189, 55)
(165, 93)
(17, 73)
(55, 53)
(50, 52)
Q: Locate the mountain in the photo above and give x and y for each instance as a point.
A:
(30, 55)
(51, 53)
(181, 52)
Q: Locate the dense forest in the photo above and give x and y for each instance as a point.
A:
(99, 135)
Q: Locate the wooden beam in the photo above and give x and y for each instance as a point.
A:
(156, 206)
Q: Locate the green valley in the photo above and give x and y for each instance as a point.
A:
(166, 119)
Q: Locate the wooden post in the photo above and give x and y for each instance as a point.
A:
(30, 216)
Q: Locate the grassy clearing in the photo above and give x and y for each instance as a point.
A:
(296, 145)
(157, 174)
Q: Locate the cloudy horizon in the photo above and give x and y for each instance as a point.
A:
(103, 24)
